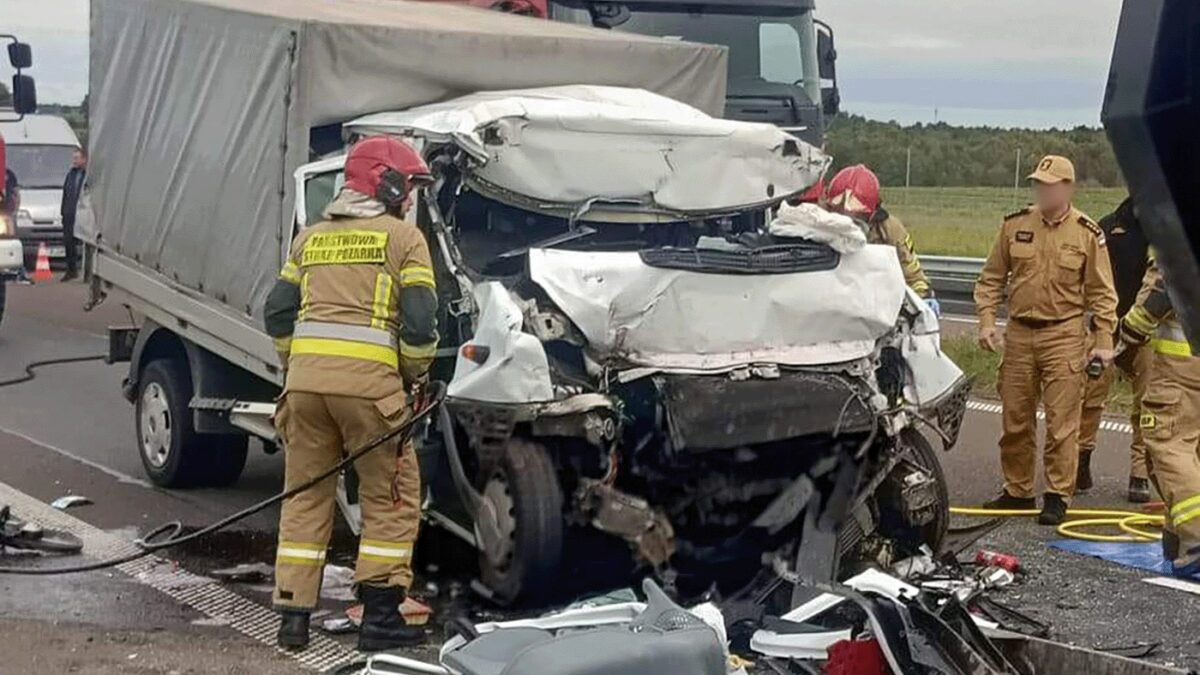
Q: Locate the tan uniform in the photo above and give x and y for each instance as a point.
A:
(885, 228)
(349, 353)
(1053, 272)
(1170, 418)
(1134, 365)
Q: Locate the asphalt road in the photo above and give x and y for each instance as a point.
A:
(71, 432)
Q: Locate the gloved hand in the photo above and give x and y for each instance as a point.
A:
(1130, 335)
(935, 306)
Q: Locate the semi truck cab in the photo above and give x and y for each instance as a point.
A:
(781, 58)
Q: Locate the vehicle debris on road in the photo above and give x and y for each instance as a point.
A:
(67, 501)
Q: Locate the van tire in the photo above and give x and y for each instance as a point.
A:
(173, 454)
(525, 487)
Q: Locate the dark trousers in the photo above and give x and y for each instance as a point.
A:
(69, 243)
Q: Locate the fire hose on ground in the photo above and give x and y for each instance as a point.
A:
(170, 534)
(1130, 523)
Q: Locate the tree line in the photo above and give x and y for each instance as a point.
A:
(951, 156)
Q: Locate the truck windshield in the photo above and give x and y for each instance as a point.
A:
(40, 166)
(780, 49)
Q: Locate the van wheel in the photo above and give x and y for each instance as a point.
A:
(173, 454)
(520, 532)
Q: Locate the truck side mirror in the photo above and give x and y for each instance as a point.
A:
(20, 55)
(24, 95)
(831, 99)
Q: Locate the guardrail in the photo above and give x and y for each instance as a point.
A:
(952, 276)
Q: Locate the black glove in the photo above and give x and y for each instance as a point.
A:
(1130, 335)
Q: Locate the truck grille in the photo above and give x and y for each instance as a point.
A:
(777, 259)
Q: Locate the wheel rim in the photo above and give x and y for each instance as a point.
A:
(155, 424)
(497, 530)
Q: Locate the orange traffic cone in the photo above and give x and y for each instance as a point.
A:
(41, 271)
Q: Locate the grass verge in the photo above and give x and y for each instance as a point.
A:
(984, 368)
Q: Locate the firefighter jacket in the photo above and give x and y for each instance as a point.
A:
(884, 228)
(353, 312)
(1154, 316)
(1051, 270)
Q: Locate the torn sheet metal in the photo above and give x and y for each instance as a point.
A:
(681, 320)
(573, 145)
(516, 369)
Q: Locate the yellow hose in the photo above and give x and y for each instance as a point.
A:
(1126, 521)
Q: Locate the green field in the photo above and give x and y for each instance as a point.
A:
(963, 221)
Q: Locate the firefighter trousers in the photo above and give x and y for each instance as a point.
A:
(1170, 423)
(1134, 365)
(1041, 363)
(317, 430)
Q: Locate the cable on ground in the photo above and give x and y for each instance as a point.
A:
(170, 534)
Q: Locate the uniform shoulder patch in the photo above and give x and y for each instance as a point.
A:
(1092, 227)
(1017, 214)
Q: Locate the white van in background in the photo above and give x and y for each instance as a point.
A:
(39, 153)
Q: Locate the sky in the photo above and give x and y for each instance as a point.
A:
(1036, 63)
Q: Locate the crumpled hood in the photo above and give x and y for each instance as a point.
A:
(682, 320)
(567, 146)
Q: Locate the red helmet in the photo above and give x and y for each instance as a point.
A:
(813, 194)
(371, 157)
(854, 190)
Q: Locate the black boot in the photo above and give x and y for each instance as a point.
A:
(1139, 490)
(1007, 502)
(383, 627)
(1083, 474)
(1054, 509)
(293, 629)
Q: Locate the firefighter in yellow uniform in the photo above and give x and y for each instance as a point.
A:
(353, 315)
(855, 192)
(1051, 262)
(1170, 418)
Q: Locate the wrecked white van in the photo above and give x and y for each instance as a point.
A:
(637, 352)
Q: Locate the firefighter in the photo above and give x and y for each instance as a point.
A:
(353, 317)
(1051, 261)
(1128, 251)
(1170, 418)
(855, 192)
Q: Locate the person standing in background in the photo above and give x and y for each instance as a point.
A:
(1129, 252)
(72, 187)
(1051, 263)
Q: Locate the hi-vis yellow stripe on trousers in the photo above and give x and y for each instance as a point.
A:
(381, 307)
(384, 551)
(1185, 511)
(300, 553)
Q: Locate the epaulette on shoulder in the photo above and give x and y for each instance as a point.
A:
(1017, 214)
(1090, 225)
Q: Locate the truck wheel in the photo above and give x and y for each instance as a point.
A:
(173, 454)
(921, 453)
(520, 534)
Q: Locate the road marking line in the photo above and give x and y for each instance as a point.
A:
(995, 409)
(112, 473)
(200, 593)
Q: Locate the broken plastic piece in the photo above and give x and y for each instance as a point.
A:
(856, 657)
(338, 625)
(67, 501)
(245, 573)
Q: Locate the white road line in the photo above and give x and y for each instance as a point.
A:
(121, 477)
(200, 593)
(995, 409)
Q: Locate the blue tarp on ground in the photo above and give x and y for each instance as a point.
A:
(1143, 556)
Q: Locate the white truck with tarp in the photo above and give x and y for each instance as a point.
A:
(201, 112)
